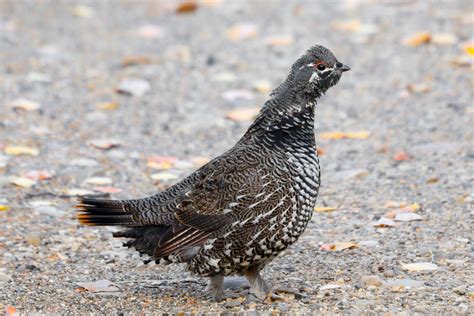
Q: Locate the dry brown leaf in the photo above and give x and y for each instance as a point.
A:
(38, 175)
(341, 135)
(338, 246)
(420, 266)
(418, 88)
(243, 114)
(432, 180)
(400, 208)
(135, 60)
(241, 32)
(21, 150)
(417, 39)
(108, 106)
(187, 7)
(25, 105)
(401, 156)
(321, 151)
(322, 209)
(4, 208)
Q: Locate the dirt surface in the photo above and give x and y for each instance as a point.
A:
(415, 163)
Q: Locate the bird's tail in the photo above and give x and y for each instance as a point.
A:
(98, 212)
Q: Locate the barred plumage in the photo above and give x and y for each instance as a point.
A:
(239, 211)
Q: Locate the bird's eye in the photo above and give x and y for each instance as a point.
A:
(321, 67)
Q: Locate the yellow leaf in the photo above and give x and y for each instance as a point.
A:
(21, 150)
(341, 135)
(108, 106)
(338, 246)
(4, 208)
(469, 50)
(417, 39)
(324, 209)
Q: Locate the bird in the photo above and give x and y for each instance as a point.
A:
(239, 211)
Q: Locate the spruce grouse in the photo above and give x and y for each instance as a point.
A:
(240, 210)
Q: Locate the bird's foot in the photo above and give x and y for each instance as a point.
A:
(216, 288)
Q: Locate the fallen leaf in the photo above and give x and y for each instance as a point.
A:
(262, 86)
(22, 182)
(400, 208)
(279, 40)
(350, 25)
(322, 209)
(338, 246)
(420, 266)
(98, 180)
(417, 39)
(134, 87)
(407, 217)
(104, 143)
(341, 135)
(161, 162)
(243, 31)
(469, 48)
(243, 114)
(444, 38)
(83, 11)
(25, 105)
(38, 175)
(187, 7)
(150, 31)
(135, 60)
(21, 150)
(432, 180)
(163, 176)
(401, 156)
(321, 151)
(4, 208)
(110, 190)
(10, 311)
(236, 95)
(418, 88)
(384, 222)
(99, 286)
(108, 106)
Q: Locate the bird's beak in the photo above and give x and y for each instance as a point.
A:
(344, 68)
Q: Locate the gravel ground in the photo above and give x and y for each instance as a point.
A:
(416, 103)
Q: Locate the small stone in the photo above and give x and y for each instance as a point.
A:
(4, 276)
(371, 280)
(134, 87)
(409, 283)
(460, 290)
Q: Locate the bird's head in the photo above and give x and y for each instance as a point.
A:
(315, 72)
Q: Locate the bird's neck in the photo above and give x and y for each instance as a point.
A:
(287, 113)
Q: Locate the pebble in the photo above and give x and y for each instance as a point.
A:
(409, 283)
(371, 280)
(4, 276)
(134, 87)
(33, 239)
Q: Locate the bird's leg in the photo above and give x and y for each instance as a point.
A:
(257, 283)
(216, 287)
